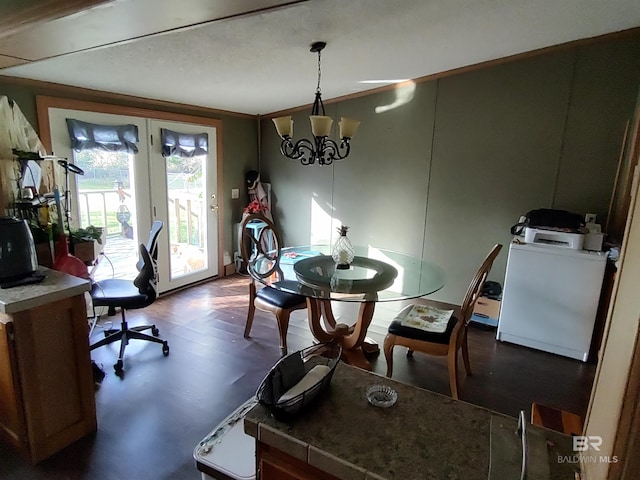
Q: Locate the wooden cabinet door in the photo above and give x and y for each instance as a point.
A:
(11, 417)
(271, 471)
(54, 366)
(274, 464)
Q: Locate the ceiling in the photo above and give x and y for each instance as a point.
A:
(252, 56)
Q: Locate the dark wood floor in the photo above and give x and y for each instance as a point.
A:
(150, 421)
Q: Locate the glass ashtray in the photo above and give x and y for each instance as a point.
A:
(381, 396)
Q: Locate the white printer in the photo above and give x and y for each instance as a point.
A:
(556, 238)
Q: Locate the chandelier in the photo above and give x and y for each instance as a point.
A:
(321, 148)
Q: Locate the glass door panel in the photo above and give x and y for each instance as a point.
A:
(186, 204)
(106, 197)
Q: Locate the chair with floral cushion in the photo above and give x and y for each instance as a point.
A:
(444, 332)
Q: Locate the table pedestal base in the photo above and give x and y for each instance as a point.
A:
(352, 338)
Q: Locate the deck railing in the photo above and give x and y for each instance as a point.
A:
(100, 208)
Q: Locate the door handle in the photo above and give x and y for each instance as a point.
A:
(214, 206)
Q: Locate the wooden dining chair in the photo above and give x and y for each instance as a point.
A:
(267, 244)
(445, 341)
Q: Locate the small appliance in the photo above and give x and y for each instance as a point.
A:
(18, 257)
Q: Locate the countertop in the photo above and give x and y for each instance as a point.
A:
(423, 436)
(56, 286)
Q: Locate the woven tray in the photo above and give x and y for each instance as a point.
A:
(289, 370)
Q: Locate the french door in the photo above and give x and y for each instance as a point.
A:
(184, 194)
(125, 192)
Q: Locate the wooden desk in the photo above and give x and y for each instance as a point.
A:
(46, 382)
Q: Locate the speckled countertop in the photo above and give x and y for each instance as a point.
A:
(55, 286)
(423, 436)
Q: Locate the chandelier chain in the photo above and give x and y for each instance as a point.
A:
(319, 74)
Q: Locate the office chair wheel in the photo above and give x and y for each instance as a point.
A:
(119, 368)
(165, 349)
(155, 332)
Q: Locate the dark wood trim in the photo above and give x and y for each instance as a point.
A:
(69, 92)
(44, 103)
(471, 68)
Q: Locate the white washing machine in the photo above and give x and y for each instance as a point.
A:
(550, 298)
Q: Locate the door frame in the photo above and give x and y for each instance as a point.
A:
(44, 103)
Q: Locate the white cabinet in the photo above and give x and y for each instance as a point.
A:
(550, 298)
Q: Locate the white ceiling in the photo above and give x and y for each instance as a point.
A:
(260, 63)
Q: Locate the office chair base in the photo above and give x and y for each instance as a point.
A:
(124, 334)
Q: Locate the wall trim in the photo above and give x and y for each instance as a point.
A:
(71, 92)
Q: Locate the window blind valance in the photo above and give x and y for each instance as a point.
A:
(111, 138)
(183, 144)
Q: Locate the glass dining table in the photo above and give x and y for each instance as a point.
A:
(375, 275)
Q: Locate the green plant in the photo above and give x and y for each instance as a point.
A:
(42, 233)
(87, 234)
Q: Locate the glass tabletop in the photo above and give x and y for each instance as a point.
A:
(376, 274)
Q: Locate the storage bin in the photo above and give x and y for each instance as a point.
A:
(486, 311)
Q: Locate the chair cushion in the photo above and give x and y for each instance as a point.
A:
(396, 328)
(116, 292)
(279, 298)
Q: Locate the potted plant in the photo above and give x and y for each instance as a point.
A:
(85, 242)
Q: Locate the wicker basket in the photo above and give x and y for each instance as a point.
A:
(290, 370)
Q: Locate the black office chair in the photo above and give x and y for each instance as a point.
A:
(127, 294)
(152, 243)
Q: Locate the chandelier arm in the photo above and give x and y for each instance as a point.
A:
(320, 150)
(334, 152)
(345, 144)
(303, 150)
